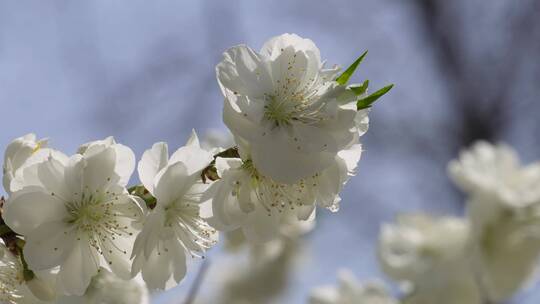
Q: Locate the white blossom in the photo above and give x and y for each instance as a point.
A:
(507, 246)
(255, 273)
(174, 227)
(495, 170)
(504, 211)
(430, 257)
(244, 198)
(106, 288)
(20, 154)
(288, 107)
(350, 291)
(76, 215)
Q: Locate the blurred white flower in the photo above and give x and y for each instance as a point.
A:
(350, 291)
(254, 273)
(244, 198)
(507, 245)
(13, 288)
(174, 226)
(106, 288)
(495, 170)
(77, 215)
(504, 212)
(287, 107)
(20, 154)
(430, 257)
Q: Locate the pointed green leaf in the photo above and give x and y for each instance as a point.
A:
(367, 101)
(359, 90)
(344, 77)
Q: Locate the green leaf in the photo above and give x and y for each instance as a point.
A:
(359, 90)
(344, 77)
(367, 101)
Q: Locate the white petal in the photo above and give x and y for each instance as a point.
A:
(342, 126)
(193, 139)
(79, 268)
(48, 245)
(151, 163)
(195, 159)
(291, 64)
(157, 269)
(148, 238)
(125, 158)
(226, 212)
(172, 183)
(312, 139)
(73, 174)
(329, 185)
(118, 261)
(242, 71)
(31, 207)
(102, 142)
(41, 289)
(274, 158)
(179, 265)
(19, 150)
(99, 171)
(125, 163)
(26, 175)
(351, 157)
(243, 116)
(272, 48)
(362, 121)
(306, 212)
(51, 176)
(223, 164)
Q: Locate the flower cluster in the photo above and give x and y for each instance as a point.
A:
(485, 257)
(72, 223)
(430, 257)
(503, 211)
(297, 127)
(73, 231)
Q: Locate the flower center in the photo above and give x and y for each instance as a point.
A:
(275, 196)
(284, 109)
(184, 218)
(97, 215)
(89, 212)
(278, 112)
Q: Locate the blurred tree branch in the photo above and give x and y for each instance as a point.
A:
(481, 96)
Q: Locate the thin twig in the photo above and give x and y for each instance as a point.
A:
(197, 283)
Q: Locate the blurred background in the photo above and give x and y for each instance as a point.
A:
(143, 71)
